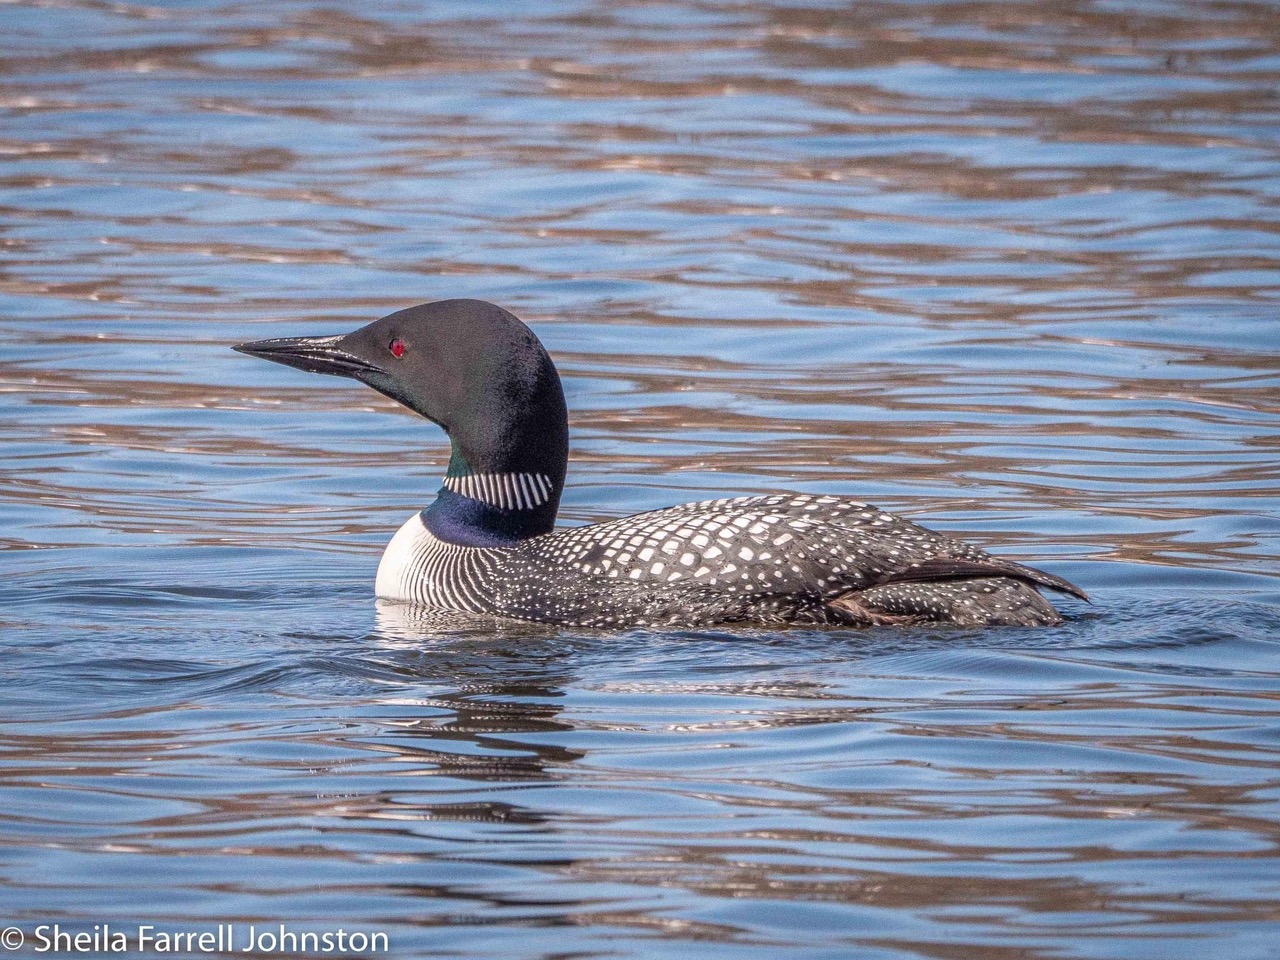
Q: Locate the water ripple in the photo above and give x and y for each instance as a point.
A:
(1010, 269)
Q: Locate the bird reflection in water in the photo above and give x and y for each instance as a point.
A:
(495, 680)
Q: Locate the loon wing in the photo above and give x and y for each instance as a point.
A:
(944, 568)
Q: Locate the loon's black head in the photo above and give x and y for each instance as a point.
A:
(484, 377)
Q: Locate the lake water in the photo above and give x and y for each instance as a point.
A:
(1011, 269)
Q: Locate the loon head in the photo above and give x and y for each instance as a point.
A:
(482, 375)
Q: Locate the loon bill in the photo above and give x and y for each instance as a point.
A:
(488, 543)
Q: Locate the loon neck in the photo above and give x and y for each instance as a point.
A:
(456, 518)
(516, 498)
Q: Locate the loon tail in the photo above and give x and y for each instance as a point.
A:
(967, 592)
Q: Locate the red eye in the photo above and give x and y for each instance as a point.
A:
(397, 348)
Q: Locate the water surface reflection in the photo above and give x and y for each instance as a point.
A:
(1009, 269)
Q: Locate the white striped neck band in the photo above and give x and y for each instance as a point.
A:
(507, 491)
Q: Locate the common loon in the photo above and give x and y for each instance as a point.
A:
(488, 543)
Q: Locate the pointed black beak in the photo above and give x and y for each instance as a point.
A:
(312, 354)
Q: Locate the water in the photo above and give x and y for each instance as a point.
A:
(1009, 269)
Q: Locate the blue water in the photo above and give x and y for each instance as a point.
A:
(1011, 270)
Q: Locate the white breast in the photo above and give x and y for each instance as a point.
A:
(395, 578)
(418, 567)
